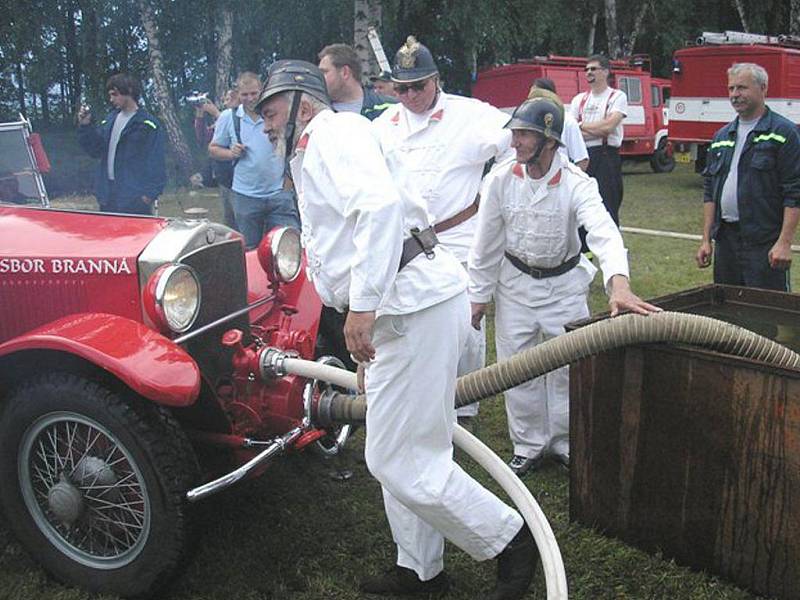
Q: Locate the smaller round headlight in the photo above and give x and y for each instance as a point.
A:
(281, 254)
(177, 297)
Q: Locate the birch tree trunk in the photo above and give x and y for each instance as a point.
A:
(163, 97)
(614, 49)
(224, 50)
(630, 44)
(592, 31)
(740, 9)
(366, 14)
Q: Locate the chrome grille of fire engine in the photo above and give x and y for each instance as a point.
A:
(223, 288)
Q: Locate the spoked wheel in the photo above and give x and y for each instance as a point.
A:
(84, 490)
(94, 484)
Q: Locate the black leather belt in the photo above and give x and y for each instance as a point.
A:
(541, 273)
(420, 241)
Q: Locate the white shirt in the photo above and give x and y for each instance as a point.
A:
(574, 146)
(598, 107)
(537, 221)
(446, 149)
(355, 216)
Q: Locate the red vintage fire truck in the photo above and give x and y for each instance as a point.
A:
(700, 104)
(645, 126)
(141, 365)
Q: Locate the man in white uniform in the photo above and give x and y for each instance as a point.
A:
(446, 141)
(371, 251)
(527, 255)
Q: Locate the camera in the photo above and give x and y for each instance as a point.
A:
(197, 99)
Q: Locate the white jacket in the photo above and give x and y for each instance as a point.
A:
(446, 149)
(537, 221)
(355, 217)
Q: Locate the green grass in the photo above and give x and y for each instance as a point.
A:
(299, 534)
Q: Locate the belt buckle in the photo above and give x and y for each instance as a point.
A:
(535, 273)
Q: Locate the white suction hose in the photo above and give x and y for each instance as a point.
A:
(553, 565)
(554, 575)
(316, 370)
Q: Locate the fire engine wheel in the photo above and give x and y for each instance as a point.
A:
(100, 482)
(661, 161)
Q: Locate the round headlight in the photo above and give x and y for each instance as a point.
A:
(281, 254)
(177, 297)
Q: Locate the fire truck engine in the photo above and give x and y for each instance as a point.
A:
(700, 104)
(506, 86)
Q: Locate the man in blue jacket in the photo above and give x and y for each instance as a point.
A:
(752, 189)
(130, 145)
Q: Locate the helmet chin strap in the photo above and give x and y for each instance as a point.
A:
(533, 160)
(290, 129)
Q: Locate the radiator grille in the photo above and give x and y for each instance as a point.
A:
(223, 287)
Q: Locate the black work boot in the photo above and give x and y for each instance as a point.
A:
(404, 582)
(516, 565)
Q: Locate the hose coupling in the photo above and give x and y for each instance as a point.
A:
(271, 362)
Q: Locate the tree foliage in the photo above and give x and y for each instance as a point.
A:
(56, 54)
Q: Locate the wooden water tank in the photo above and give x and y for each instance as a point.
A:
(696, 453)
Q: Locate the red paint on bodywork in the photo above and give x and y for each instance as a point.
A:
(150, 364)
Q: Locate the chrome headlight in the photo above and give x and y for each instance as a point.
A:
(280, 254)
(176, 297)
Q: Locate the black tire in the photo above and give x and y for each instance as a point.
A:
(660, 162)
(111, 516)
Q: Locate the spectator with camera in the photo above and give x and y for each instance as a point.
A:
(206, 114)
(259, 199)
(129, 142)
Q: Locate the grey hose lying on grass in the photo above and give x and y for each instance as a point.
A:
(624, 330)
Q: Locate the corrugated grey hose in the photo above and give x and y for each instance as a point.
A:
(624, 330)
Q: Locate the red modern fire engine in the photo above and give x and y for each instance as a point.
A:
(700, 104)
(645, 126)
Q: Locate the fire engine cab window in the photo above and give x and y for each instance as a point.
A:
(656, 95)
(632, 88)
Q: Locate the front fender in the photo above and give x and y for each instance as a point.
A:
(147, 362)
(660, 135)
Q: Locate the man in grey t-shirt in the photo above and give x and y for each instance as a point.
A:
(129, 142)
(752, 189)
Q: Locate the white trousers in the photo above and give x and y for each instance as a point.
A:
(409, 447)
(473, 357)
(538, 411)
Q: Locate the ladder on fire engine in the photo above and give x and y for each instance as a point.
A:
(739, 37)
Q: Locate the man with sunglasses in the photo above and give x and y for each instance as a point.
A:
(445, 141)
(599, 113)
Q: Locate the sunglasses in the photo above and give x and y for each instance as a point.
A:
(590, 69)
(403, 88)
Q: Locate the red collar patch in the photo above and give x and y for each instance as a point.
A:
(517, 170)
(396, 118)
(302, 142)
(555, 179)
(437, 116)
